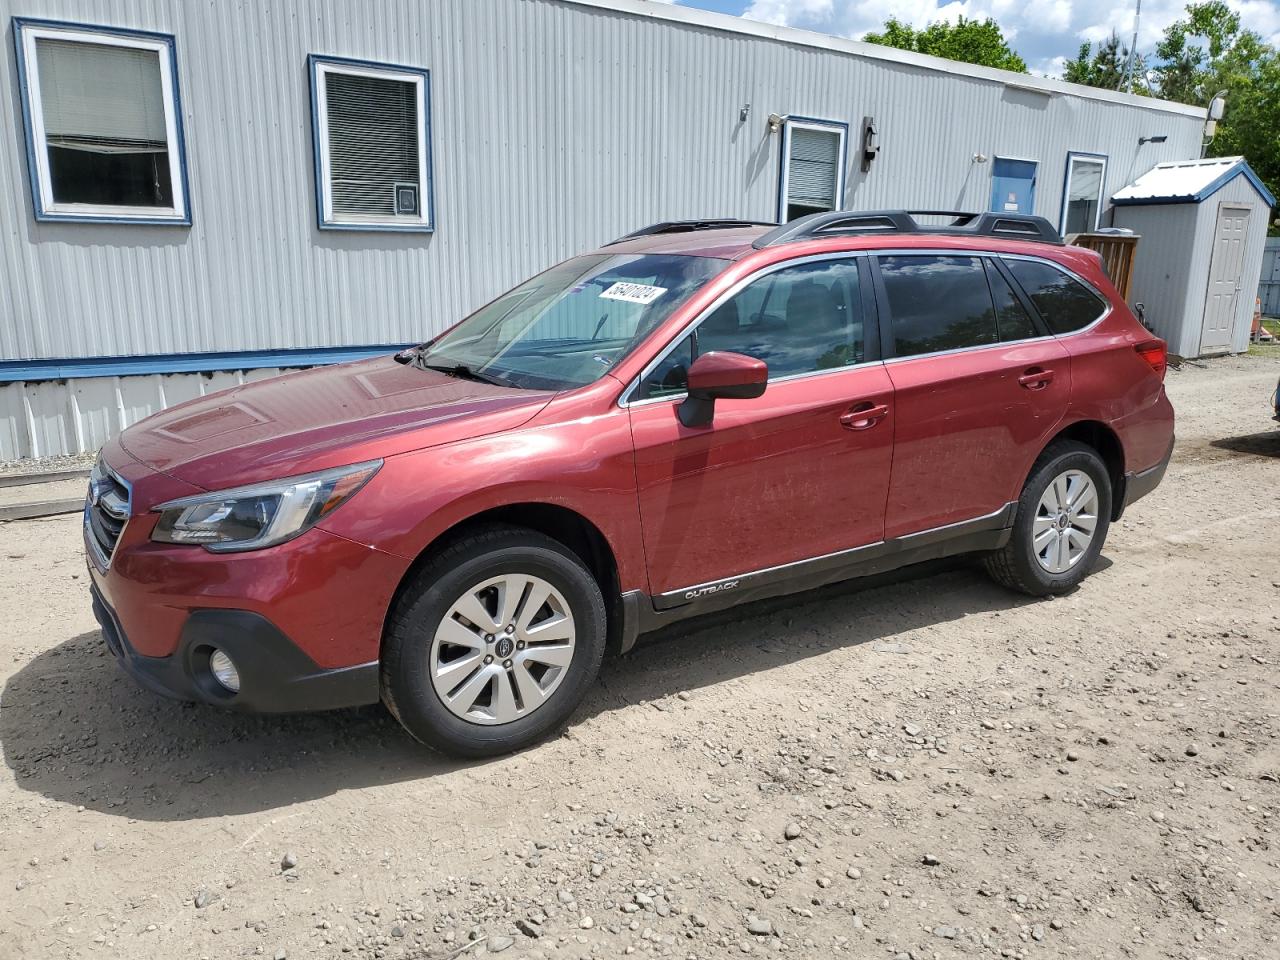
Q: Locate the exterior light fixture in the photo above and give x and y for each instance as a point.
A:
(870, 142)
(979, 158)
(1160, 139)
(1212, 115)
(775, 122)
(744, 113)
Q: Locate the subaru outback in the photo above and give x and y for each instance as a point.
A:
(696, 415)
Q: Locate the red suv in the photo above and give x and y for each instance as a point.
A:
(698, 414)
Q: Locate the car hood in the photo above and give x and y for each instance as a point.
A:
(320, 418)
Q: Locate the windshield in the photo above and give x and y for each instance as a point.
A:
(566, 327)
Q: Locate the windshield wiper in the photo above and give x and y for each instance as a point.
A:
(459, 370)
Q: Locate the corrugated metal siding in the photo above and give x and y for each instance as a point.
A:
(555, 127)
(78, 416)
(1269, 287)
(1162, 279)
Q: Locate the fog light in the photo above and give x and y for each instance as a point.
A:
(224, 671)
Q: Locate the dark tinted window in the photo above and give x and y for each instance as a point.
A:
(798, 319)
(671, 375)
(1064, 303)
(1011, 317)
(938, 303)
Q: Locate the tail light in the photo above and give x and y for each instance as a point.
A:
(1154, 352)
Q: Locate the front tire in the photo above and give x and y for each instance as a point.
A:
(1063, 516)
(493, 643)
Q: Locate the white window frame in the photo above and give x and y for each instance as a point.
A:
(1094, 158)
(784, 173)
(321, 68)
(26, 33)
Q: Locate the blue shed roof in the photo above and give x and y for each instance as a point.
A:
(1189, 181)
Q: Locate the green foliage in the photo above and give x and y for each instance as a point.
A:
(969, 41)
(1105, 66)
(1206, 52)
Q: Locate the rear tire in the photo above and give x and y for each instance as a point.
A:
(512, 672)
(1063, 516)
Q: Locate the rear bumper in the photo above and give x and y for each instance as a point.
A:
(1138, 485)
(275, 675)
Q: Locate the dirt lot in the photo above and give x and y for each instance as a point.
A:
(926, 767)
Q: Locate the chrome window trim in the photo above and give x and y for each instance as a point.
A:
(624, 399)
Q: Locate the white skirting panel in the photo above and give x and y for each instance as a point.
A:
(57, 417)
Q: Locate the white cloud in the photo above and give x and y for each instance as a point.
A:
(1044, 32)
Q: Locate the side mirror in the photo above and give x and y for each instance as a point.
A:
(720, 376)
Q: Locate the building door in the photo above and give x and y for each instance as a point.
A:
(1225, 267)
(1013, 185)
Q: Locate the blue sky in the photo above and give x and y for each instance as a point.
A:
(1044, 32)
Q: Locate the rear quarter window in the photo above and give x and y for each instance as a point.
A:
(1063, 302)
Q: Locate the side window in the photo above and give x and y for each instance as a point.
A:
(1064, 303)
(799, 319)
(671, 376)
(1011, 317)
(373, 154)
(104, 121)
(938, 303)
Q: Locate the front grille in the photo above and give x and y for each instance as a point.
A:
(106, 511)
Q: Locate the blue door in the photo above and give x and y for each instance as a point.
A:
(1013, 185)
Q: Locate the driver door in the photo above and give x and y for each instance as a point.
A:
(800, 472)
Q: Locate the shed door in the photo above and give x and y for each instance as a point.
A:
(1013, 185)
(1225, 268)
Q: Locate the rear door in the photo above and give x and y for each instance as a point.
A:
(978, 387)
(799, 472)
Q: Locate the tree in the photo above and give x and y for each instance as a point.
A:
(1106, 66)
(969, 41)
(1207, 52)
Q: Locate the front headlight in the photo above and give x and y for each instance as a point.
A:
(260, 515)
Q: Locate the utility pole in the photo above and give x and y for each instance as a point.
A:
(1133, 49)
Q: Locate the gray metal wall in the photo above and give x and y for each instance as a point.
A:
(555, 126)
(1269, 287)
(1162, 277)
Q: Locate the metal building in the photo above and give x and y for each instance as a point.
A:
(189, 191)
(1203, 225)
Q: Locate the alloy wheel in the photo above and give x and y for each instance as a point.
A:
(1065, 521)
(502, 649)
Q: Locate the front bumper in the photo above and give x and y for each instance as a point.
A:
(275, 676)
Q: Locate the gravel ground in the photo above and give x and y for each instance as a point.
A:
(921, 767)
(71, 461)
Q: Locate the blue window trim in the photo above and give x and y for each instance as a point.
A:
(1066, 185)
(20, 25)
(314, 61)
(841, 173)
(76, 368)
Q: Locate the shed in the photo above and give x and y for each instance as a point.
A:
(1203, 225)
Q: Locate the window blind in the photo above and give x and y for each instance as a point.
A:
(372, 140)
(100, 98)
(813, 167)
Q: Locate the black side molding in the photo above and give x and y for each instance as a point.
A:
(642, 613)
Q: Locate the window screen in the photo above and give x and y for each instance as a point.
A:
(104, 116)
(938, 303)
(1064, 303)
(813, 169)
(1084, 195)
(1012, 319)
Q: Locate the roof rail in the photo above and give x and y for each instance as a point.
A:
(1014, 226)
(688, 226)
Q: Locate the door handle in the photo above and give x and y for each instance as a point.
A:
(1036, 379)
(863, 416)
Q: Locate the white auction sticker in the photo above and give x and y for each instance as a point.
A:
(633, 292)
